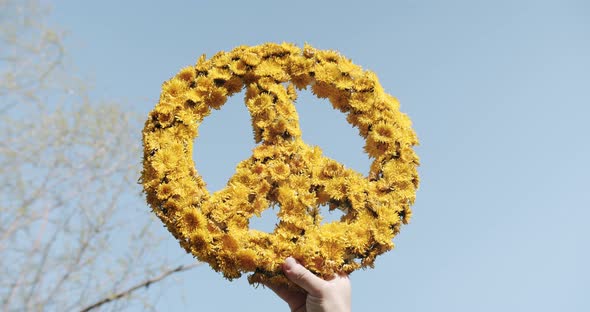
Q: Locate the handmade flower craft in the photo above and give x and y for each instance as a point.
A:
(283, 170)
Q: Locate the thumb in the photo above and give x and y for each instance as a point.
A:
(301, 276)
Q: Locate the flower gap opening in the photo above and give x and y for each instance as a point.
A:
(267, 221)
(330, 216)
(225, 139)
(322, 125)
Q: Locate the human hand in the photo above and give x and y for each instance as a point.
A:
(321, 295)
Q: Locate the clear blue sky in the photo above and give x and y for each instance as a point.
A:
(499, 95)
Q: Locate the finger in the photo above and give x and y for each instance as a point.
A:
(301, 276)
(295, 299)
(281, 291)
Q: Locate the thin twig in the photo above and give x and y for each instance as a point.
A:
(143, 284)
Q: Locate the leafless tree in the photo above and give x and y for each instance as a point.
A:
(74, 232)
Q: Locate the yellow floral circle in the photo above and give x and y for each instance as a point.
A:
(283, 170)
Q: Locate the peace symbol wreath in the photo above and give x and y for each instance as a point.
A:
(283, 171)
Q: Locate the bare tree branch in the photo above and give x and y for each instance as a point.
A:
(143, 284)
(70, 234)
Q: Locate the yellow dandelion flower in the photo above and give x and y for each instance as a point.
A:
(375, 149)
(284, 196)
(264, 152)
(344, 83)
(328, 56)
(258, 170)
(280, 92)
(299, 67)
(251, 59)
(201, 111)
(271, 49)
(300, 72)
(260, 124)
(179, 187)
(217, 97)
(270, 68)
(167, 105)
(291, 93)
(289, 48)
(346, 66)
(365, 83)
(220, 74)
(237, 51)
(279, 171)
(299, 182)
(238, 67)
(406, 215)
(200, 241)
(184, 131)
(154, 140)
(187, 74)
(337, 188)
(238, 190)
(331, 169)
(221, 59)
(321, 89)
(204, 84)
(185, 117)
(327, 73)
(366, 120)
(228, 265)
(339, 100)
(309, 51)
(174, 87)
(247, 259)
(164, 191)
(260, 204)
(229, 243)
(164, 161)
(302, 81)
(195, 96)
(192, 221)
(308, 199)
(260, 104)
(359, 106)
(383, 133)
(233, 85)
(202, 64)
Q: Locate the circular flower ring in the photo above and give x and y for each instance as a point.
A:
(283, 170)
